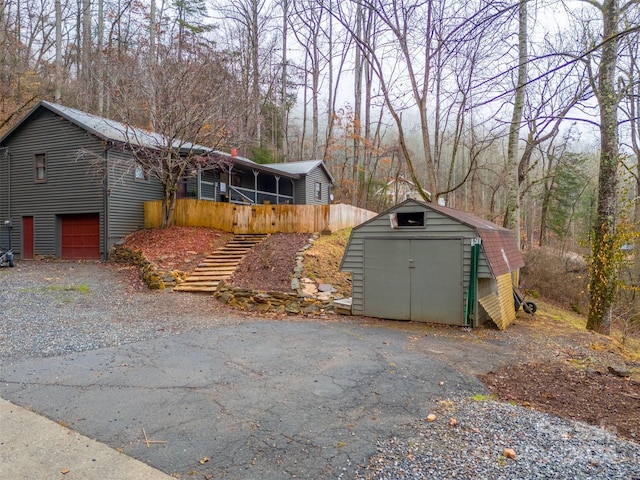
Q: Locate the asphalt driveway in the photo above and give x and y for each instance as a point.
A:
(222, 397)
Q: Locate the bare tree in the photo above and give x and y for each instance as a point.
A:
(189, 101)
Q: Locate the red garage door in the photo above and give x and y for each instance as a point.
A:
(81, 236)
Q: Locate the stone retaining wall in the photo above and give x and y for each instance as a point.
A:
(154, 278)
(262, 301)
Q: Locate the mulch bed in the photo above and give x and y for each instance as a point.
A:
(270, 264)
(590, 396)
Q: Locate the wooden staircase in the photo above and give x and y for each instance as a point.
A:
(220, 265)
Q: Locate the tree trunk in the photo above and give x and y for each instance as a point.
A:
(58, 87)
(283, 92)
(86, 47)
(602, 271)
(512, 215)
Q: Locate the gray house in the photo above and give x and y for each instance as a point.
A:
(64, 204)
(427, 263)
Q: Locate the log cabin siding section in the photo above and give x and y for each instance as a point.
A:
(126, 196)
(71, 186)
(436, 226)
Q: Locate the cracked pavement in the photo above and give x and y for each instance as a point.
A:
(260, 398)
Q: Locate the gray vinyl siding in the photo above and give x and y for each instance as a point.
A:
(72, 185)
(436, 226)
(309, 195)
(127, 196)
(300, 191)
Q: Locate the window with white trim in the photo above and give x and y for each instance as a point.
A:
(318, 191)
(41, 167)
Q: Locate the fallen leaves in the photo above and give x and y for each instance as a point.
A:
(510, 453)
(176, 247)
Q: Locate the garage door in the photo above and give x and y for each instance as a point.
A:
(81, 236)
(414, 279)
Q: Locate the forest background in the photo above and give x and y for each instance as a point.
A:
(523, 112)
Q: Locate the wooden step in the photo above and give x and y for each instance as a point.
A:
(192, 289)
(202, 276)
(219, 265)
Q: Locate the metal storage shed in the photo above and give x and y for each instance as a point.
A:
(427, 263)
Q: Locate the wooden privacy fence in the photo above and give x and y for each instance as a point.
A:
(258, 218)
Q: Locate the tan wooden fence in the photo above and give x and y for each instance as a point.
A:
(258, 218)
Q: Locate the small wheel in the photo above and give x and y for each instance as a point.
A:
(529, 307)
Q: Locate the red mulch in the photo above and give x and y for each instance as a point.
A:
(177, 248)
(591, 396)
(270, 264)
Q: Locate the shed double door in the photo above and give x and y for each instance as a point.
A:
(414, 279)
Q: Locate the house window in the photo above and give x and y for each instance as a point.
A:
(41, 167)
(141, 175)
(318, 191)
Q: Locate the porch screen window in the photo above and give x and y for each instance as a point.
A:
(318, 191)
(141, 175)
(41, 167)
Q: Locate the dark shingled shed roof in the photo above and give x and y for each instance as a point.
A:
(499, 244)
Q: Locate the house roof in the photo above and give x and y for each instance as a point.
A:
(289, 170)
(245, 162)
(113, 131)
(105, 129)
(301, 168)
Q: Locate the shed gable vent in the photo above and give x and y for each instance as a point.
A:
(406, 219)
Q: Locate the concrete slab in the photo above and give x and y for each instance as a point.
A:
(35, 448)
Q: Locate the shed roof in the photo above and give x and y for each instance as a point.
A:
(499, 244)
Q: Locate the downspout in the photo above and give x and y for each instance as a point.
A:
(472, 290)
(277, 177)
(107, 193)
(199, 184)
(5, 154)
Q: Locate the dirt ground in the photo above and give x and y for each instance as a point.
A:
(561, 368)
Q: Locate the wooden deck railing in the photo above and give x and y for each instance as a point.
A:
(258, 218)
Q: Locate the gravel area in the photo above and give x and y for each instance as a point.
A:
(56, 308)
(545, 447)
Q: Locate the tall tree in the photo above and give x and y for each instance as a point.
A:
(602, 269)
(512, 216)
